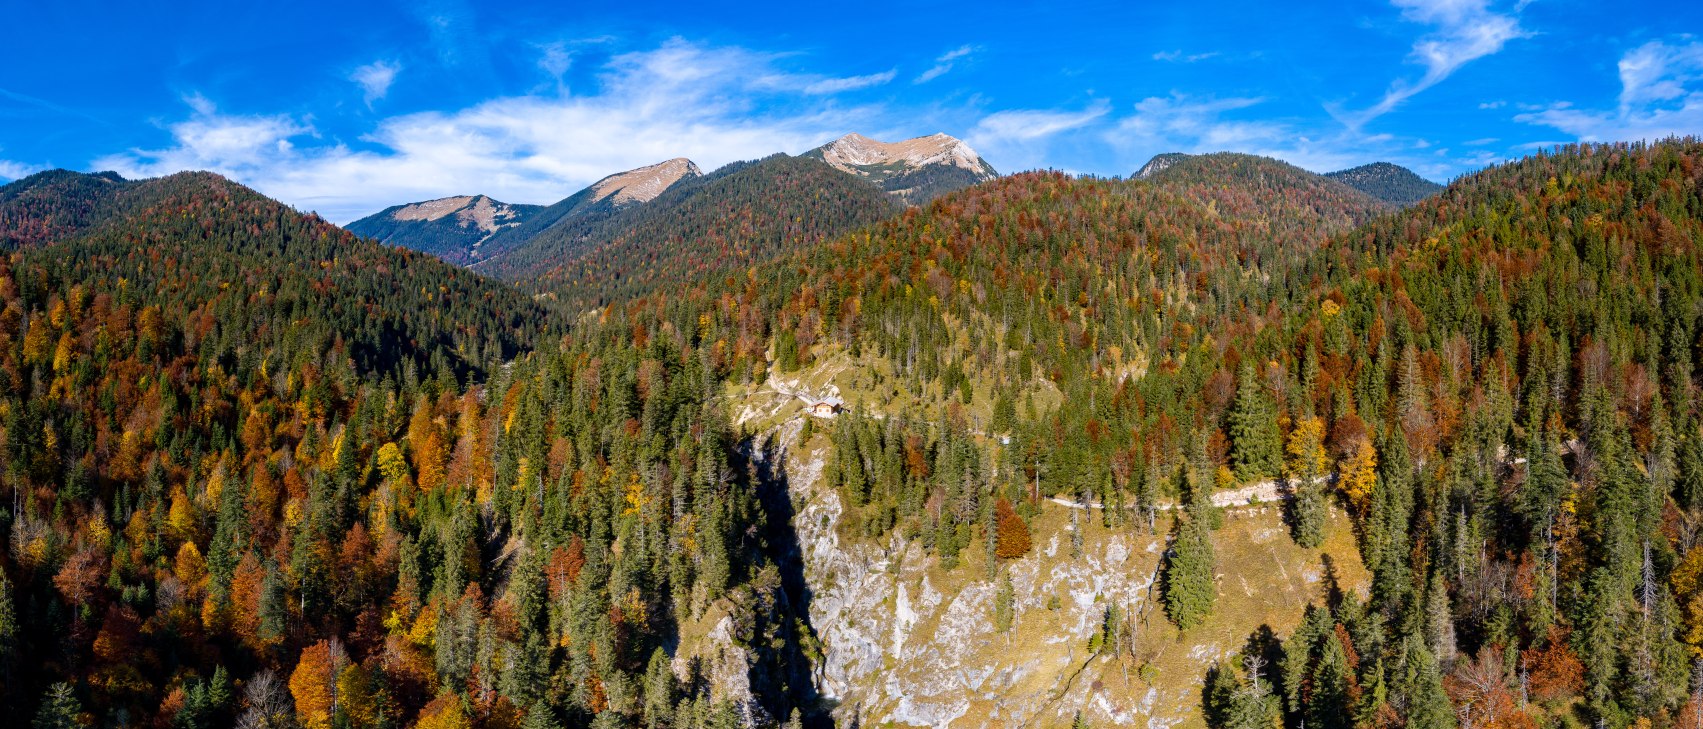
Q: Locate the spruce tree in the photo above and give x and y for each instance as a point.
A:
(1189, 587)
(59, 709)
(1422, 687)
(1256, 447)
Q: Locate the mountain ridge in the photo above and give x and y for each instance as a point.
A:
(914, 170)
(1384, 181)
(1388, 182)
(452, 228)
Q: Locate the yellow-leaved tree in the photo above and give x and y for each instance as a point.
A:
(1307, 457)
(1359, 475)
(314, 683)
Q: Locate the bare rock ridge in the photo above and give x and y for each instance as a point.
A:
(914, 170)
(645, 183)
(471, 211)
(474, 230)
(454, 228)
(862, 156)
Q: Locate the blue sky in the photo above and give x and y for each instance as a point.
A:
(346, 108)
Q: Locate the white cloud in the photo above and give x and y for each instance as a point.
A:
(943, 64)
(1661, 95)
(1197, 125)
(1021, 138)
(714, 105)
(1462, 31)
(1656, 72)
(849, 83)
(1180, 57)
(1030, 124)
(375, 79)
(10, 170)
(556, 61)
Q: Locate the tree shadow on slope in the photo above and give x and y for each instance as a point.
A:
(783, 676)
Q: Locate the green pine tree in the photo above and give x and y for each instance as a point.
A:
(1422, 686)
(59, 709)
(1189, 588)
(1256, 447)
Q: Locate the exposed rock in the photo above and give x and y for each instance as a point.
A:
(644, 183)
(857, 154)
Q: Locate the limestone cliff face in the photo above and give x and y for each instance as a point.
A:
(898, 640)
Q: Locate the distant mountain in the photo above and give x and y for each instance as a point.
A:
(469, 229)
(645, 183)
(1264, 191)
(744, 214)
(915, 170)
(594, 204)
(451, 228)
(201, 249)
(1391, 183)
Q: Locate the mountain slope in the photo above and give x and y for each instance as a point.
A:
(451, 228)
(1472, 426)
(1391, 183)
(588, 208)
(237, 441)
(1159, 164)
(1497, 386)
(914, 170)
(195, 244)
(740, 215)
(1264, 191)
(58, 205)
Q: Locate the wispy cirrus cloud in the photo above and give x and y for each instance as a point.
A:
(850, 83)
(1661, 95)
(1462, 31)
(375, 79)
(1178, 56)
(555, 61)
(1020, 138)
(1203, 124)
(943, 64)
(712, 104)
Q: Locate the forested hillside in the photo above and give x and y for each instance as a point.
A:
(1498, 385)
(744, 214)
(246, 485)
(1391, 183)
(260, 472)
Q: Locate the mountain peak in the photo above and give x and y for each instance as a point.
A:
(1159, 163)
(645, 183)
(854, 153)
(1389, 182)
(915, 170)
(478, 212)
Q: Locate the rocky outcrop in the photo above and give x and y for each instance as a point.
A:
(644, 183)
(914, 171)
(899, 640)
